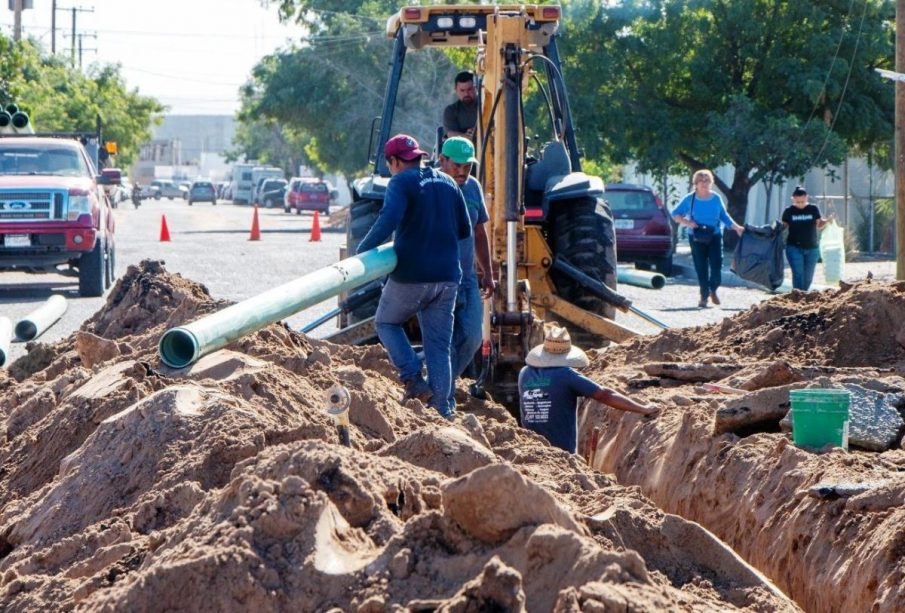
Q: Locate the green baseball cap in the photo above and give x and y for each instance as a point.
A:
(459, 150)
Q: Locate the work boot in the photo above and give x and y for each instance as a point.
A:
(703, 303)
(417, 387)
(714, 298)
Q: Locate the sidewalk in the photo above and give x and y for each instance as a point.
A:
(882, 267)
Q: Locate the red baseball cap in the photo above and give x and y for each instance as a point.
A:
(403, 147)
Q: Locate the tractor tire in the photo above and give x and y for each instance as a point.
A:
(583, 233)
(92, 271)
(362, 215)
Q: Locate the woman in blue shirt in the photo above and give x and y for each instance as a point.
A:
(704, 212)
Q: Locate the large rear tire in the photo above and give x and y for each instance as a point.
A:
(110, 267)
(582, 232)
(362, 215)
(92, 271)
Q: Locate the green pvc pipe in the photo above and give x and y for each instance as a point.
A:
(179, 347)
(641, 278)
(6, 336)
(35, 323)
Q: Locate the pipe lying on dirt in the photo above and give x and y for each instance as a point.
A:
(36, 323)
(6, 336)
(179, 347)
(641, 278)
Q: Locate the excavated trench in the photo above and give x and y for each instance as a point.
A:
(125, 485)
(827, 526)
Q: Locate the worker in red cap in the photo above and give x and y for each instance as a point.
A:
(427, 211)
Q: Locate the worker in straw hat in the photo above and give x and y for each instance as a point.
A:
(549, 389)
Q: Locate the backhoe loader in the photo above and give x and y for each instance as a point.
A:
(551, 233)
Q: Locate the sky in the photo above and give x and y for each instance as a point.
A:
(192, 55)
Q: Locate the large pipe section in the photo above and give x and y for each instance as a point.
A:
(182, 346)
(35, 323)
(6, 336)
(6, 121)
(641, 278)
(14, 121)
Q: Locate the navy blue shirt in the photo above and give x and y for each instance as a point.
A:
(548, 403)
(477, 214)
(427, 211)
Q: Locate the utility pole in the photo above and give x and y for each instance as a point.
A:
(53, 33)
(900, 142)
(17, 20)
(53, 27)
(81, 36)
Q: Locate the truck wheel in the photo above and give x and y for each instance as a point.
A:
(92, 271)
(110, 268)
(584, 235)
(362, 215)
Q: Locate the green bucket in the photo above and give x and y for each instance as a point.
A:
(820, 417)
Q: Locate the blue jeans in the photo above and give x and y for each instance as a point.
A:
(469, 319)
(802, 261)
(708, 264)
(433, 303)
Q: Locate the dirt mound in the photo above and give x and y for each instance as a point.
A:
(809, 520)
(860, 325)
(125, 485)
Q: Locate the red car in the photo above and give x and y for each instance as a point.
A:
(308, 194)
(644, 232)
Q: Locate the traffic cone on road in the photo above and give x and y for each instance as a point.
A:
(255, 227)
(164, 230)
(316, 228)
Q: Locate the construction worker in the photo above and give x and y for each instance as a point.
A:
(460, 117)
(549, 389)
(426, 210)
(456, 160)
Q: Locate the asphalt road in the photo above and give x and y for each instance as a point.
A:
(209, 244)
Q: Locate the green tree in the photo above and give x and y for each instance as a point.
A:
(331, 86)
(770, 87)
(60, 98)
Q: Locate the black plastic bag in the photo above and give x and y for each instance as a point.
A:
(759, 255)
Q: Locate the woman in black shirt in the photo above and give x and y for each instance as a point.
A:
(802, 220)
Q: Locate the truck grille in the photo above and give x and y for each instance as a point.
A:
(21, 205)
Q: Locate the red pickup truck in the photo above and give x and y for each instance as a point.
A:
(54, 211)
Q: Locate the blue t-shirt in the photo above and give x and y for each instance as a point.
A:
(427, 211)
(709, 212)
(477, 214)
(548, 403)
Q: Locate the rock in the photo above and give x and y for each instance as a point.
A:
(497, 588)
(93, 349)
(493, 502)
(447, 450)
(766, 406)
(874, 422)
(691, 371)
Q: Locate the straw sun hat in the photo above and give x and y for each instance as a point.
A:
(557, 350)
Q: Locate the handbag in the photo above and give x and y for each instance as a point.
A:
(703, 233)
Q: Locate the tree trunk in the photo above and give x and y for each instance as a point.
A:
(737, 205)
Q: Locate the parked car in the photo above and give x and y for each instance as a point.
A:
(148, 191)
(644, 230)
(168, 189)
(308, 194)
(272, 192)
(202, 191)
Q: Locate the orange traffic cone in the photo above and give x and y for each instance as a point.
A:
(255, 227)
(164, 230)
(316, 228)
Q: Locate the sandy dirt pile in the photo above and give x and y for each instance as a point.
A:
(128, 486)
(828, 528)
